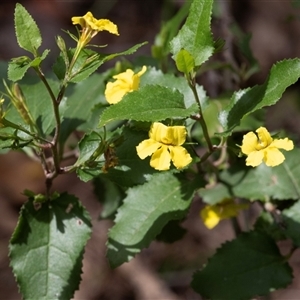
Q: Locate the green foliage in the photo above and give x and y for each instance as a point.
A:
(259, 268)
(47, 246)
(195, 36)
(249, 100)
(145, 211)
(27, 32)
(149, 104)
(63, 121)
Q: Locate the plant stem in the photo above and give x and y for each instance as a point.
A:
(192, 85)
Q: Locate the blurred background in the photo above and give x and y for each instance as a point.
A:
(163, 271)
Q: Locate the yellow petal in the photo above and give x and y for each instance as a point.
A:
(210, 217)
(168, 135)
(161, 159)
(104, 24)
(147, 148)
(180, 157)
(264, 138)
(158, 131)
(114, 92)
(273, 157)
(255, 158)
(285, 144)
(249, 143)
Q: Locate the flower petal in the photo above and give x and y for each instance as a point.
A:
(285, 144)
(249, 143)
(264, 138)
(104, 24)
(177, 135)
(273, 157)
(180, 156)
(158, 131)
(161, 159)
(114, 92)
(255, 158)
(210, 216)
(147, 148)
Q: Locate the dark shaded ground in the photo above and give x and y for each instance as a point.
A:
(275, 26)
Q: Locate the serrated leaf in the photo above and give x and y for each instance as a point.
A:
(47, 247)
(185, 62)
(16, 71)
(145, 211)
(281, 182)
(18, 67)
(149, 103)
(244, 268)
(195, 36)
(27, 32)
(282, 75)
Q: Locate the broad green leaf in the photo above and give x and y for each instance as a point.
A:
(149, 103)
(195, 36)
(157, 77)
(262, 183)
(47, 246)
(291, 223)
(145, 211)
(185, 62)
(27, 32)
(244, 268)
(18, 66)
(282, 75)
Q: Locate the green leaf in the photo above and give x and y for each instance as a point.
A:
(47, 247)
(290, 219)
(157, 77)
(185, 62)
(281, 182)
(87, 147)
(145, 211)
(195, 36)
(244, 268)
(18, 67)
(282, 75)
(149, 103)
(27, 32)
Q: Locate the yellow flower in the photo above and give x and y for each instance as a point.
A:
(91, 26)
(126, 82)
(164, 144)
(262, 147)
(211, 215)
